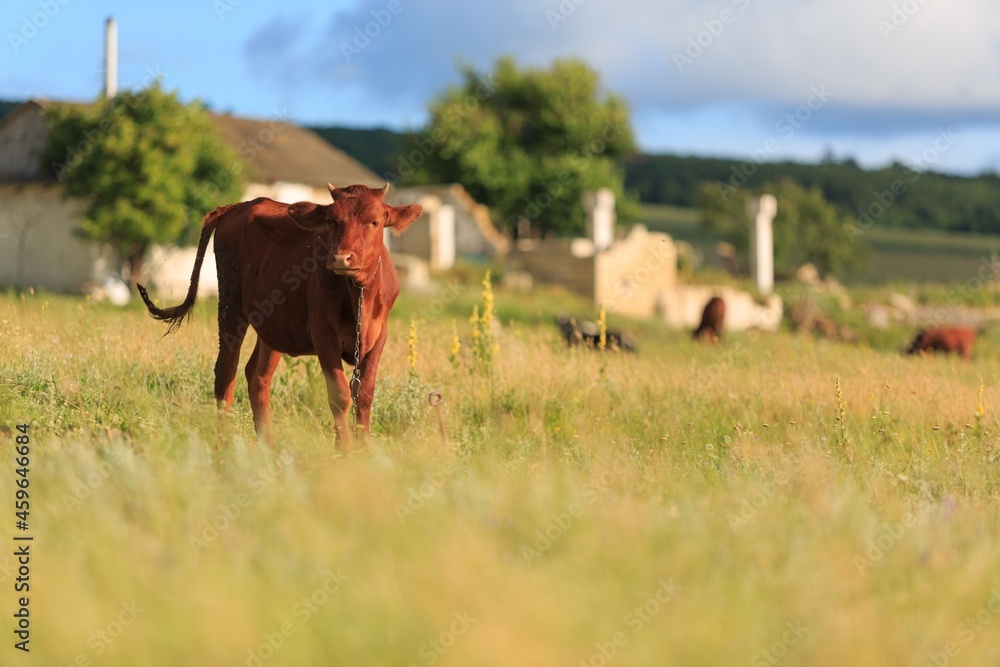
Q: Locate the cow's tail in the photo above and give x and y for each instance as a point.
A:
(175, 315)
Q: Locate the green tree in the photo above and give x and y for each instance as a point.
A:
(528, 143)
(148, 165)
(807, 228)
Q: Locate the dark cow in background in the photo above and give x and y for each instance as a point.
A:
(712, 320)
(301, 275)
(589, 334)
(943, 339)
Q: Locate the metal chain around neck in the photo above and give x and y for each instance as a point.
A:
(356, 375)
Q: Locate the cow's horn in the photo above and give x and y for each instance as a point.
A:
(384, 191)
(333, 190)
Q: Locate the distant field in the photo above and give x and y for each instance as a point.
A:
(895, 254)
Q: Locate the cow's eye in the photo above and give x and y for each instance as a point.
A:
(374, 223)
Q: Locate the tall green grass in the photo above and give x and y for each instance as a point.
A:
(690, 505)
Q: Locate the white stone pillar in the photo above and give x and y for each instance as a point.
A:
(762, 211)
(443, 238)
(600, 209)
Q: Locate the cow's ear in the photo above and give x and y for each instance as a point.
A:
(400, 217)
(307, 215)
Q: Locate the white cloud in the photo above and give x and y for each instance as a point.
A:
(895, 66)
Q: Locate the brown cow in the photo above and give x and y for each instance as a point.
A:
(712, 319)
(267, 255)
(945, 339)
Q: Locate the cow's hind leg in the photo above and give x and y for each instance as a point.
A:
(260, 369)
(227, 364)
(232, 331)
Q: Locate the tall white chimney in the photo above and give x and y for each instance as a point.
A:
(110, 58)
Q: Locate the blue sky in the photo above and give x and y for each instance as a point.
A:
(872, 79)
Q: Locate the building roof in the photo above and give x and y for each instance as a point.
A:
(273, 150)
(279, 151)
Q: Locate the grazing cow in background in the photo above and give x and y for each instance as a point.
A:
(712, 319)
(944, 339)
(589, 334)
(301, 275)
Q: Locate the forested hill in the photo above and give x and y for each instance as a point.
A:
(893, 196)
(378, 149)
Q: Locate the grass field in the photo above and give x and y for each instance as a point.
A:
(776, 500)
(895, 255)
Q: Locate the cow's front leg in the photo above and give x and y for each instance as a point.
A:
(369, 373)
(338, 394)
(260, 369)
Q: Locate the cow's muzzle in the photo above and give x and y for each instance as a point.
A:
(343, 263)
